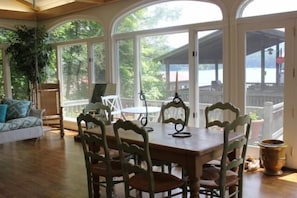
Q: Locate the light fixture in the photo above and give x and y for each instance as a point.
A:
(270, 51)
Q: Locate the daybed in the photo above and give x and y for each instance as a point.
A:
(19, 120)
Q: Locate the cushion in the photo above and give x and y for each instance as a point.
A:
(17, 108)
(20, 123)
(3, 110)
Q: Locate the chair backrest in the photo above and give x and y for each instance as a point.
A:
(99, 111)
(114, 103)
(214, 114)
(123, 129)
(91, 144)
(173, 112)
(240, 145)
(49, 98)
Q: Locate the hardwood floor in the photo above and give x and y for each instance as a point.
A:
(54, 167)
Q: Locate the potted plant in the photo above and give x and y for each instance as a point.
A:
(29, 53)
(256, 125)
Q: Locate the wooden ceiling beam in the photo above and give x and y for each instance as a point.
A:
(29, 5)
(46, 9)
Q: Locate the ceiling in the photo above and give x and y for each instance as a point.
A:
(45, 9)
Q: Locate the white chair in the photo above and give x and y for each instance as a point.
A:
(115, 105)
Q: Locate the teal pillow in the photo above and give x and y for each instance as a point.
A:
(3, 110)
(17, 108)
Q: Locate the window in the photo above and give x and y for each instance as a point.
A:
(260, 7)
(81, 51)
(16, 84)
(265, 70)
(153, 44)
(168, 14)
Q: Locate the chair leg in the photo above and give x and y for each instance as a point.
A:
(96, 186)
(61, 128)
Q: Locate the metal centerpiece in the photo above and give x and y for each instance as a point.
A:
(180, 127)
(144, 119)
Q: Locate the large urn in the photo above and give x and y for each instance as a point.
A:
(273, 156)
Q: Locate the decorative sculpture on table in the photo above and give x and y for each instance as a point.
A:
(144, 119)
(180, 127)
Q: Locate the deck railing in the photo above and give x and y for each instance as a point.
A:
(272, 127)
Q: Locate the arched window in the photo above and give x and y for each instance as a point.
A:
(75, 30)
(153, 43)
(81, 51)
(168, 14)
(261, 7)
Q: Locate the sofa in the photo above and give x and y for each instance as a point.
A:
(19, 120)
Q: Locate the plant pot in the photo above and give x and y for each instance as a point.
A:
(273, 156)
(256, 127)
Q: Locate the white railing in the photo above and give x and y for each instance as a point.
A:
(272, 114)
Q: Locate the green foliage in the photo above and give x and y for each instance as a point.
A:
(253, 116)
(29, 52)
(154, 86)
(5, 34)
(75, 30)
(141, 20)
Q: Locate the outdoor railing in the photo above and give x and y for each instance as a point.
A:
(272, 127)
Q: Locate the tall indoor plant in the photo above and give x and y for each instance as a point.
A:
(29, 53)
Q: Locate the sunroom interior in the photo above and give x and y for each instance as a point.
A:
(236, 39)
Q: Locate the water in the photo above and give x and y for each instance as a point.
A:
(253, 75)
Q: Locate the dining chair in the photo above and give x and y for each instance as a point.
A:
(97, 158)
(99, 111)
(143, 178)
(115, 105)
(228, 178)
(175, 113)
(214, 114)
(172, 112)
(214, 117)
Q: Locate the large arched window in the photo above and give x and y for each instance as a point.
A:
(75, 30)
(153, 43)
(81, 58)
(168, 14)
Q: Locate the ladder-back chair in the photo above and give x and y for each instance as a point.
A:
(228, 178)
(142, 178)
(98, 161)
(49, 98)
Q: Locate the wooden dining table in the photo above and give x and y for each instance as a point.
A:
(191, 152)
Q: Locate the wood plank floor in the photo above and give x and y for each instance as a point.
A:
(54, 167)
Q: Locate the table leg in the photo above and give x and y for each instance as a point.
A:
(194, 172)
(194, 189)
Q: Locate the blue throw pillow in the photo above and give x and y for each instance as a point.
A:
(17, 108)
(3, 110)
